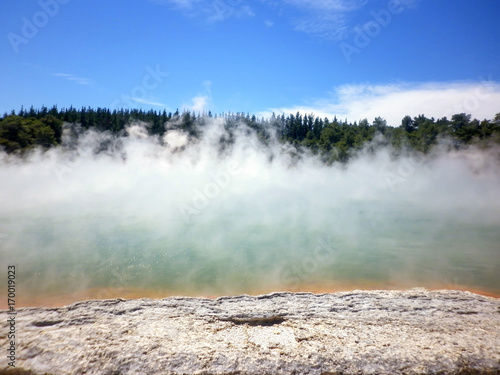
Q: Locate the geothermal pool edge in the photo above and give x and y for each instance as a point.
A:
(415, 331)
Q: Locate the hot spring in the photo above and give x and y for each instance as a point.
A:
(145, 218)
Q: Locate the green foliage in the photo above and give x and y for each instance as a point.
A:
(332, 140)
(20, 133)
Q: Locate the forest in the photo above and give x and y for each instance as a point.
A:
(332, 140)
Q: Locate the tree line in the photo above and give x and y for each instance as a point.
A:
(331, 139)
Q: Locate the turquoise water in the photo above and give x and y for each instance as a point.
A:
(370, 246)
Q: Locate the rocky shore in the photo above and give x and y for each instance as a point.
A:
(359, 332)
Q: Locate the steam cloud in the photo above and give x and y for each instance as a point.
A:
(201, 218)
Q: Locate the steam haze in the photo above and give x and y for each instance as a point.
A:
(169, 216)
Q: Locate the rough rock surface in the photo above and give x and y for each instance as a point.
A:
(359, 332)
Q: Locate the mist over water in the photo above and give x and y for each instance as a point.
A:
(174, 217)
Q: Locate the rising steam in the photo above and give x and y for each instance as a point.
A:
(228, 214)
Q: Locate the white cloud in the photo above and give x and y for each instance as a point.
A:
(199, 103)
(210, 10)
(148, 102)
(328, 5)
(394, 101)
(182, 4)
(73, 78)
(332, 19)
(327, 26)
(326, 19)
(219, 10)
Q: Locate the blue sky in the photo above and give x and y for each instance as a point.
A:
(353, 59)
